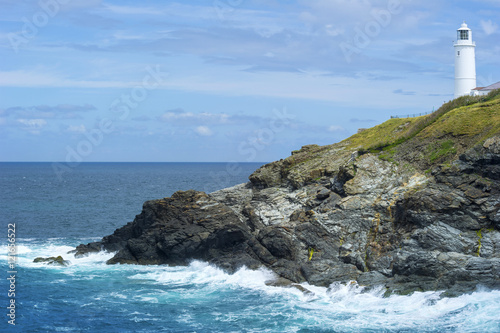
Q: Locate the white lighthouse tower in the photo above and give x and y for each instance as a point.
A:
(465, 62)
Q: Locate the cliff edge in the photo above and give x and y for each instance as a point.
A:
(411, 204)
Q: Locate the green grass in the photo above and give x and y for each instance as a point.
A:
(379, 136)
(388, 154)
(456, 125)
(462, 116)
(482, 119)
(421, 141)
(440, 150)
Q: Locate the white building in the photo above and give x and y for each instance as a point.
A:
(465, 66)
(465, 62)
(481, 91)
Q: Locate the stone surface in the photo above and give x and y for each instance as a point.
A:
(58, 261)
(326, 216)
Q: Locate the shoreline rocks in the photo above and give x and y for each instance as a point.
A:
(57, 261)
(362, 218)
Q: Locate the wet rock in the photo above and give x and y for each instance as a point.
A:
(324, 216)
(57, 261)
(372, 279)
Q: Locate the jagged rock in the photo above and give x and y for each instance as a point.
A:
(325, 216)
(323, 194)
(58, 261)
(492, 145)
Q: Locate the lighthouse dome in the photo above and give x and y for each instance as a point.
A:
(464, 27)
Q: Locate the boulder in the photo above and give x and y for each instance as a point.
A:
(57, 261)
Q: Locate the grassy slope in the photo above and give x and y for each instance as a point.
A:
(419, 142)
(437, 138)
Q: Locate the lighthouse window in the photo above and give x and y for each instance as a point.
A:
(464, 35)
(458, 53)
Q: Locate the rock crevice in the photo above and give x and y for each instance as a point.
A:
(344, 217)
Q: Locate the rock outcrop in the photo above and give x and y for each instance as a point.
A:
(57, 261)
(336, 214)
(368, 221)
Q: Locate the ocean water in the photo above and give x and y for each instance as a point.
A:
(53, 215)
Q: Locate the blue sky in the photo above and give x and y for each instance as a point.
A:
(222, 80)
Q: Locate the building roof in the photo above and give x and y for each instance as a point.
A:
(491, 87)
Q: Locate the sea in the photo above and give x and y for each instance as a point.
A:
(46, 212)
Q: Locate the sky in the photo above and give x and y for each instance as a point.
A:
(222, 80)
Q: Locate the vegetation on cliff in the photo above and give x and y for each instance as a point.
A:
(419, 143)
(480, 112)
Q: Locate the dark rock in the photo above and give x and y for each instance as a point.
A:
(282, 282)
(288, 269)
(268, 176)
(84, 249)
(324, 272)
(372, 279)
(278, 243)
(58, 261)
(344, 175)
(323, 194)
(254, 221)
(324, 216)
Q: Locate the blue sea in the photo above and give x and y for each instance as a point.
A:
(53, 214)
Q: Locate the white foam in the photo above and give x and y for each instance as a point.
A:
(370, 310)
(27, 252)
(26, 240)
(201, 273)
(19, 249)
(329, 307)
(92, 259)
(118, 295)
(148, 299)
(341, 307)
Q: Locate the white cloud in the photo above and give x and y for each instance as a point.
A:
(33, 123)
(132, 10)
(33, 126)
(404, 92)
(333, 31)
(26, 78)
(76, 128)
(190, 117)
(489, 27)
(203, 131)
(339, 14)
(335, 128)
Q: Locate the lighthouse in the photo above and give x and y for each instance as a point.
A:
(465, 62)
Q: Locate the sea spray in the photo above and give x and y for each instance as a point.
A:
(201, 297)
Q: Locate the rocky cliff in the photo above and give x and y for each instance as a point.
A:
(412, 204)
